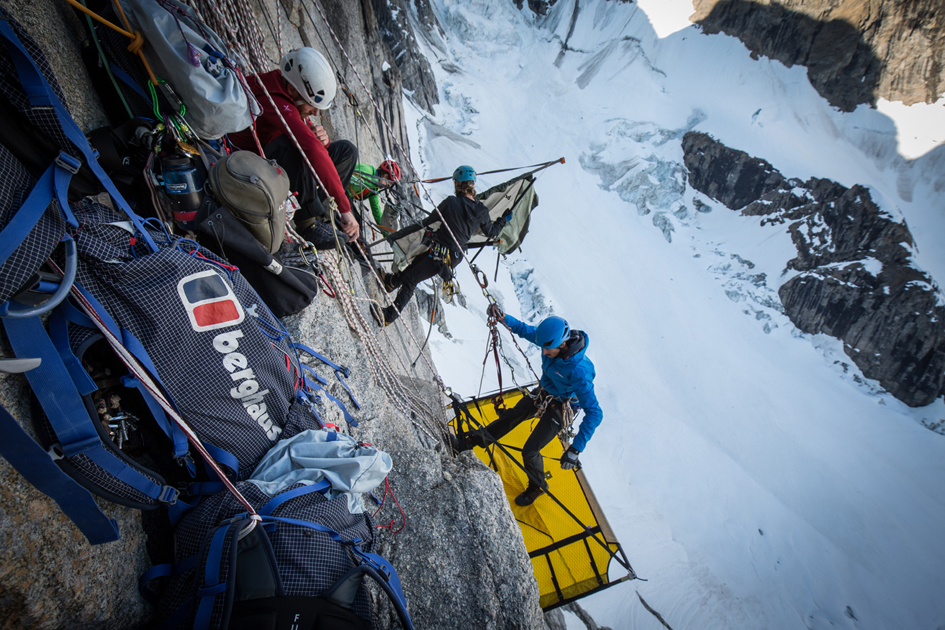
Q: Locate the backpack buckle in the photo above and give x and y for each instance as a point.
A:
(55, 452)
(168, 495)
(66, 161)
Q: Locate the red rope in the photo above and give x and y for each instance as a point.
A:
(403, 517)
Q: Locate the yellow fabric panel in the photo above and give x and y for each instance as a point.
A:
(544, 523)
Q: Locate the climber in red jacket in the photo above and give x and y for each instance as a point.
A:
(302, 86)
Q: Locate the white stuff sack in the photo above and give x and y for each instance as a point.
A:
(215, 100)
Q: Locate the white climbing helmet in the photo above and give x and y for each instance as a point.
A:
(310, 73)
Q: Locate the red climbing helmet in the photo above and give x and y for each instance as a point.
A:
(389, 170)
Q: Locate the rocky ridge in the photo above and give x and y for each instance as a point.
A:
(852, 278)
(855, 51)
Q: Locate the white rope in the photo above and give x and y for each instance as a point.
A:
(402, 398)
(378, 363)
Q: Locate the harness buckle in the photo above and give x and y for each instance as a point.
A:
(169, 495)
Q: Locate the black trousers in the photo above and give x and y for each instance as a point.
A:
(549, 424)
(343, 154)
(422, 268)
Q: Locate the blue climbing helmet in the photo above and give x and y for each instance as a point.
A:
(464, 174)
(552, 332)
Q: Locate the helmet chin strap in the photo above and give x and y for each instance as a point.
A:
(299, 102)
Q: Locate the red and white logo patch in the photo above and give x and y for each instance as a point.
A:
(209, 301)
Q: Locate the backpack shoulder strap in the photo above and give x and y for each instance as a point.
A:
(39, 93)
(60, 398)
(38, 468)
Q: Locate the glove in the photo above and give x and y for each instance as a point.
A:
(507, 215)
(496, 312)
(569, 461)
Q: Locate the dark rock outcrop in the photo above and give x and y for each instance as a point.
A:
(731, 177)
(856, 282)
(855, 52)
(398, 34)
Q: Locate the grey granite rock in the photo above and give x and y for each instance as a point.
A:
(857, 281)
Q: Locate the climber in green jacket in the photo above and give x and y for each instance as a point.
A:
(367, 182)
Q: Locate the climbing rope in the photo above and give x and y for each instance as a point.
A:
(137, 40)
(420, 414)
(380, 366)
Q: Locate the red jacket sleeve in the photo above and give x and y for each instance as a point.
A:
(316, 152)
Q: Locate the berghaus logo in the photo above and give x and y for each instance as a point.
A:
(211, 304)
(209, 301)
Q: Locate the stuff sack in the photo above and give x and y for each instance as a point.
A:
(285, 288)
(192, 58)
(301, 566)
(254, 190)
(225, 361)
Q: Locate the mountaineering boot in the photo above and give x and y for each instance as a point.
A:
(322, 235)
(468, 441)
(478, 438)
(528, 497)
(391, 281)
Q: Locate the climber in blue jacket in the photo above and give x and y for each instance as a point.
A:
(565, 373)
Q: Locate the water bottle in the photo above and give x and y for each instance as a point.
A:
(184, 189)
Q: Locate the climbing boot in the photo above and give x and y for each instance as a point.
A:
(528, 497)
(391, 283)
(322, 235)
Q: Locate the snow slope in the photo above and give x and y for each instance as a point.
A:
(754, 477)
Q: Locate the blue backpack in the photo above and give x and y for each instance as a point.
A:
(299, 565)
(205, 346)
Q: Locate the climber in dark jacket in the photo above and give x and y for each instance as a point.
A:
(565, 373)
(462, 215)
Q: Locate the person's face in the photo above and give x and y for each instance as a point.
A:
(553, 353)
(306, 110)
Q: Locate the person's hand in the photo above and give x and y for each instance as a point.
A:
(349, 225)
(507, 215)
(569, 461)
(320, 133)
(496, 312)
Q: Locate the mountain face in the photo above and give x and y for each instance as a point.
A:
(853, 279)
(855, 51)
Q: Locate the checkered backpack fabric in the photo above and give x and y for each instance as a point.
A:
(16, 182)
(210, 577)
(29, 255)
(222, 357)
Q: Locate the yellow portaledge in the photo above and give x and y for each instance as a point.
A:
(570, 553)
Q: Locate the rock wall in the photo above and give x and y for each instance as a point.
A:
(856, 282)
(460, 555)
(855, 51)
